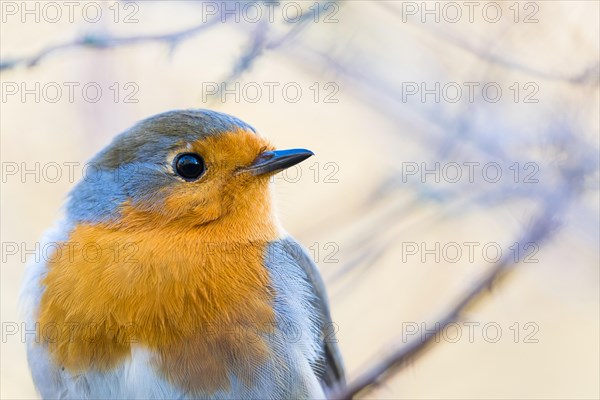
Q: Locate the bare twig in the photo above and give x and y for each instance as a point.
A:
(101, 41)
(260, 42)
(105, 42)
(588, 76)
(541, 229)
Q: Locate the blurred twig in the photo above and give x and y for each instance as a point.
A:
(541, 230)
(590, 75)
(101, 41)
(260, 42)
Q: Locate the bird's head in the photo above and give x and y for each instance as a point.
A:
(189, 168)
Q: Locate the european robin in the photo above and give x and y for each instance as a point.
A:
(172, 278)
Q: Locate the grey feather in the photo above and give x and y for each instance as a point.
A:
(331, 371)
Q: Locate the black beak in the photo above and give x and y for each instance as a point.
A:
(278, 160)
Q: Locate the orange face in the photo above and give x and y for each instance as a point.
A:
(224, 189)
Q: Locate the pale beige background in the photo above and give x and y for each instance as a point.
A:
(560, 293)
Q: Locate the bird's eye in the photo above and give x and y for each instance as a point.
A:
(189, 166)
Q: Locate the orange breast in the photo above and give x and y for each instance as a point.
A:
(200, 298)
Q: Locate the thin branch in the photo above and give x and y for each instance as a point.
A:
(541, 230)
(98, 41)
(588, 76)
(253, 51)
(260, 42)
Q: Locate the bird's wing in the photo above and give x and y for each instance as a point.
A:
(332, 373)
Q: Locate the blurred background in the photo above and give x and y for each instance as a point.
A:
(442, 132)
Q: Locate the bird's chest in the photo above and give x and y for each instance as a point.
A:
(195, 314)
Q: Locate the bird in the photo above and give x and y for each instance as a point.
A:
(170, 275)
